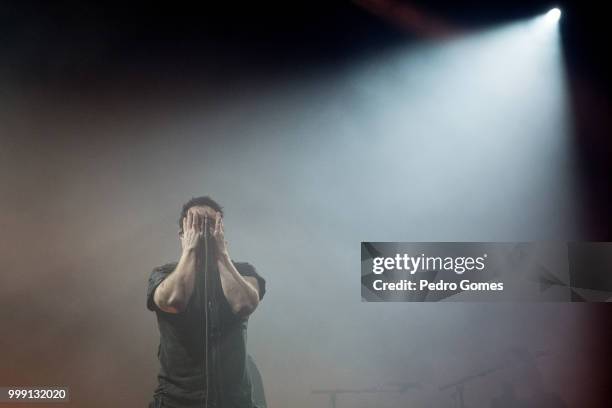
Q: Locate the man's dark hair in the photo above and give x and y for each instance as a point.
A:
(198, 202)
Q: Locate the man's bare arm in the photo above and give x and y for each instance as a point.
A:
(173, 294)
(241, 292)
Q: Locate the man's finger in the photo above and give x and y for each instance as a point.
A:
(216, 232)
(196, 221)
(189, 220)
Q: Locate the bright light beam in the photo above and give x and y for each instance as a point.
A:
(553, 15)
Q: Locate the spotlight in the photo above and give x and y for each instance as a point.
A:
(553, 15)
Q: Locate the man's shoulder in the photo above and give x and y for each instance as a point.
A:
(164, 269)
(242, 263)
(246, 269)
(158, 274)
(243, 267)
(169, 265)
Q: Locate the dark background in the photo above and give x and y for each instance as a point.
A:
(102, 141)
(83, 48)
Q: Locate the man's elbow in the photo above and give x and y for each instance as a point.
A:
(172, 304)
(244, 309)
(177, 306)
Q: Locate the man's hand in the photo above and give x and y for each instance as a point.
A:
(218, 234)
(194, 226)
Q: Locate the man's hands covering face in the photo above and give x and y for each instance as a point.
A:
(194, 225)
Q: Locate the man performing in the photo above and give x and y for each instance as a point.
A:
(202, 303)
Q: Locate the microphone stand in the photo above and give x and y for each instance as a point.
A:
(204, 300)
(210, 317)
(206, 314)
